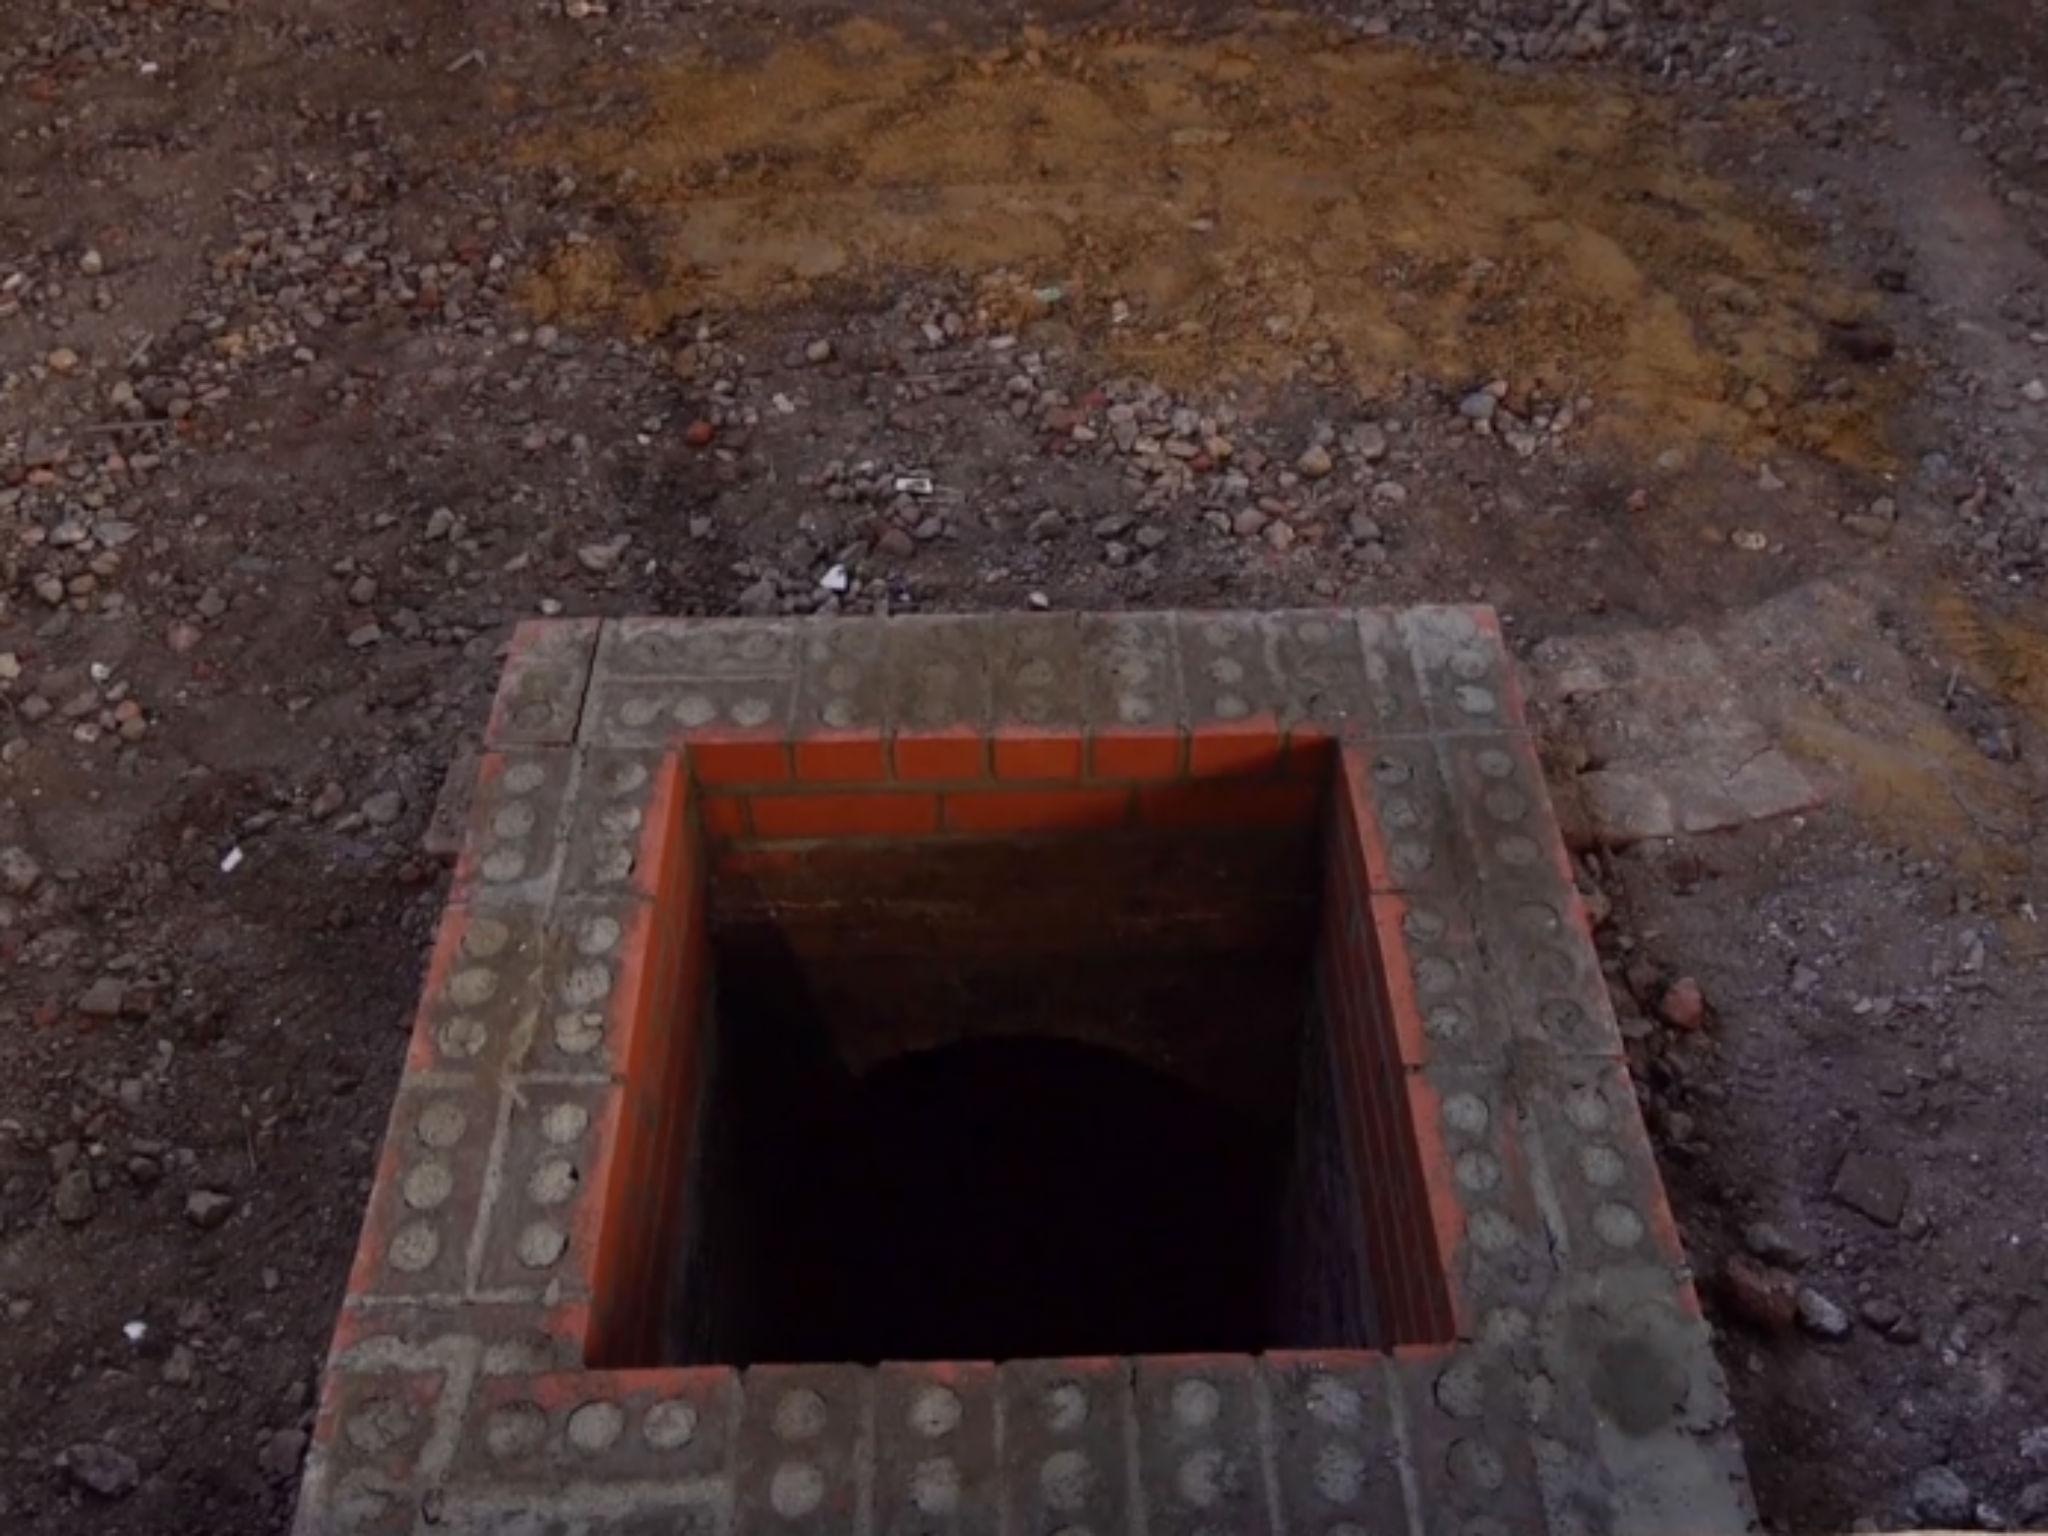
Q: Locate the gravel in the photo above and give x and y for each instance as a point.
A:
(102, 1470)
(1940, 1497)
(207, 1209)
(19, 873)
(1821, 1317)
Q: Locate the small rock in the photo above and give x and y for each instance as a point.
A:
(75, 1200)
(1940, 1496)
(1683, 1005)
(63, 360)
(1479, 405)
(102, 1470)
(601, 557)
(698, 434)
(2033, 391)
(1873, 1184)
(281, 1452)
(819, 351)
(181, 1367)
(363, 636)
(92, 263)
(1765, 1296)
(206, 1209)
(18, 871)
(1820, 1316)
(1315, 462)
(363, 591)
(103, 999)
(1361, 527)
(1370, 442)
(181, 636)
(332, 797)
(1881, 1313)
(2032, 1505)
(1774, 1245)
(1874, 521)
(383, 808)
(2034, 1446)
(895, 541)
(440, 523)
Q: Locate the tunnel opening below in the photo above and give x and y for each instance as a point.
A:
(1064, 1095)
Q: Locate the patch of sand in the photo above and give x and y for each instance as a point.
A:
(1212, 210)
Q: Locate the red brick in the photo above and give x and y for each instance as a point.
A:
(1136, 754)
(845, 815)
(1431, 1179)
(848, 757)
(737, 759)
(662, 866)
(725, 816)
(1251, 746)
(1047, 810)
(1026, 752)
(1393, 980)
(941, 756)
(608, 1245)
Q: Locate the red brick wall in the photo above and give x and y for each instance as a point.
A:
(851, 857)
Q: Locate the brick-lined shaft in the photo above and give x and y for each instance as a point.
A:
(1550, 1370)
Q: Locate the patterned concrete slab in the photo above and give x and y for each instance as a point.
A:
(1540, 1363)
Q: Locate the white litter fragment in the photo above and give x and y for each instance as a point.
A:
(232, 862)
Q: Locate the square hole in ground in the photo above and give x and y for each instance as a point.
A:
(992, 1098)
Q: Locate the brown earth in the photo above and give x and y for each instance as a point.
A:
(1214, 210)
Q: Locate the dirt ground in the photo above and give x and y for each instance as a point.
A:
(337, 337)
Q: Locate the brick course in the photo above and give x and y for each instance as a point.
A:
(1545, 1364)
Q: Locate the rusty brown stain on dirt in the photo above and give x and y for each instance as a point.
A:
(1925, 783)
(1912, 776)
(1204, 211)
(2006, 657)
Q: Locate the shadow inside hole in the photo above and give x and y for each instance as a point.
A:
(1001, 1198)
(987, 1101)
